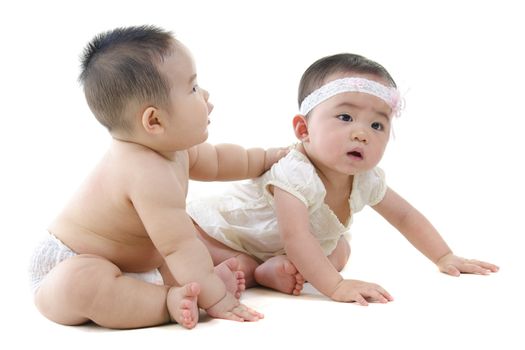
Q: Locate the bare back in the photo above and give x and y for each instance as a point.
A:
(101, 219)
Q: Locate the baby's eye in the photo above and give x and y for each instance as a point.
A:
(195, 88)
(345, 117)
(378, 126)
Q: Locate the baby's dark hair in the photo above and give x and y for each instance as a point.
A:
(314, 77)
(121, 66)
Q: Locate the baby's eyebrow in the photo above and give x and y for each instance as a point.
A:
(346, 104)
(382, 114)
(192, 78)
(351, 105)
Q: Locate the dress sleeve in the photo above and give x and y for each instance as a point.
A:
(369, 189)
(297, 176)
(377, 186)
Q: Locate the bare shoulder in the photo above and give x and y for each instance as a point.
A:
(147, 171)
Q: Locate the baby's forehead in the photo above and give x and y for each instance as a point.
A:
(178, 66)
(361, 101)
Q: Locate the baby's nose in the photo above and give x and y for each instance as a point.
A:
(360, 135)
(206, 96)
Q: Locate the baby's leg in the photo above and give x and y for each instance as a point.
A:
(182, 304)
(228, 271)
(90, 288)
(221, 253)
(340, 255)
(280, 274)
(232, 276)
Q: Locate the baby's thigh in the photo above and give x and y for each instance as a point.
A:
(69, 288)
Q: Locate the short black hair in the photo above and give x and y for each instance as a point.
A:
(315, 75)
(121, 66)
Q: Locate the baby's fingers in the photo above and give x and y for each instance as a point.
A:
(451, 270)
(375, 295)
(246, 313)
(378, 295)
(360, 300)
(488, 266)
(230, 315)
(383, 295)
(474, 269)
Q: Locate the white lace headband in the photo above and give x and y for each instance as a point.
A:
(388, 94)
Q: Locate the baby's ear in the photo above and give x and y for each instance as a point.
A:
(152, 121)
(300, 127)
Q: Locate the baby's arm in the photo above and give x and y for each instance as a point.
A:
(159, 199)
(230, 162)
(306, 254)
(189, 261)
(420, 232)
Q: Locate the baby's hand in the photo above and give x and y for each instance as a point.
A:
(455, 265)
(229, 308)
(273, 155)
(359, 291)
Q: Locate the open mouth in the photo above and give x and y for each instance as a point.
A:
(355, 154)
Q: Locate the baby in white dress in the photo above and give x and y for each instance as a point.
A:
(244, 217)
(288, 226)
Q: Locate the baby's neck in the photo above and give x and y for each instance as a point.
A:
(332, 180)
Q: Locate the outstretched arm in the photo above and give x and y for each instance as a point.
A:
(420, 232)
(306, 254)
(230, 162)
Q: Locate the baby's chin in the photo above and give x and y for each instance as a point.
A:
(363, 168)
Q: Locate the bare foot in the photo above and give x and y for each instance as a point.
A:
(232, 276)
(280, 274)
(182, 304)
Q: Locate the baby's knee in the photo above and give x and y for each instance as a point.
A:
(66, 291)
(345, 249)
(341, 254)
(78, 279)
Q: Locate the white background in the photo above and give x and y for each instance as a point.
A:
(457, 153)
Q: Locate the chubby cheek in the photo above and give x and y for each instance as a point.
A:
(326, 145)
(375, 155)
